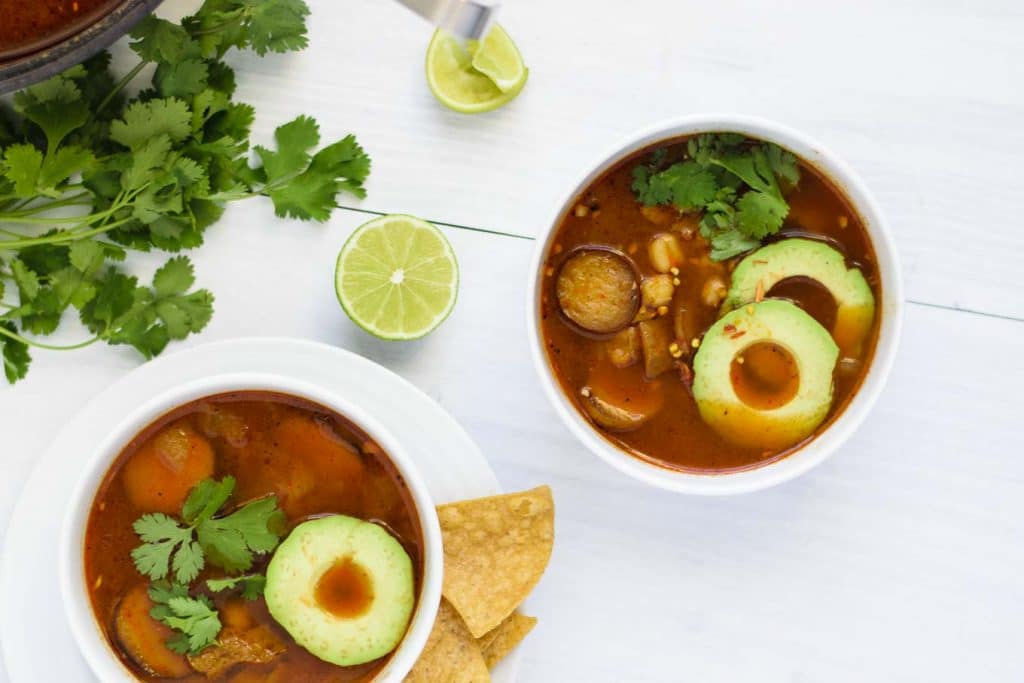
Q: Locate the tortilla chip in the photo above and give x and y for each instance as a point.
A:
(495, 551)
(503, 638)
(451, 655)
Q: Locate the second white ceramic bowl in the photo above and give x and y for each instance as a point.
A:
(890, 310)
(87, 632)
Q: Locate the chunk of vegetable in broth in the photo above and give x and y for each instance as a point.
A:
(144, 639)
(624, 347)
(655, 338)
(597, 290)
(159, 477)
(657, 290)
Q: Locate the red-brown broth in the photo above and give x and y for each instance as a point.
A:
(677, 437)
(274, 459)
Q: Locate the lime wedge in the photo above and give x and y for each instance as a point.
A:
(460, 86)
(498, 58)
(397, 277)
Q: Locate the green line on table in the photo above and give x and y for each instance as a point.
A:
(448, 225)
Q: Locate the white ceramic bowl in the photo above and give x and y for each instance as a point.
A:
(87, 632)
(891, 311)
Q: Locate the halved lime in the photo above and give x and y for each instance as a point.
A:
(456, 80)
(397, 277)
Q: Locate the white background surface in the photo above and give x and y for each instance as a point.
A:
(898, 560)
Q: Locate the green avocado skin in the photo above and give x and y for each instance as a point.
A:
(798, 257)
(313, 548)
(812, 348)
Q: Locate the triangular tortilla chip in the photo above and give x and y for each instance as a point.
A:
(495, 551)
(503, 638)
(451, 655)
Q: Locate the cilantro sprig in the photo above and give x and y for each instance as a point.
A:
(195, 621)
(737, 184)
(182, 548)
(88, 175)
(174, 551)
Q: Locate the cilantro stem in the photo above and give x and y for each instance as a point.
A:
(231, 16)
(73, 200)
(62, 237)
(48, 347)
(125, 80)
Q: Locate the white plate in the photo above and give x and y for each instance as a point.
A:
(37, 643)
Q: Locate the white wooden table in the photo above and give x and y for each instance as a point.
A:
(898, 560)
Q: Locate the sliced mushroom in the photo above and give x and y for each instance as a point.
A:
(655, 338)
(611, 416)
(597, 289)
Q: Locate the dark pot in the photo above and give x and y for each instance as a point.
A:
(72, 44)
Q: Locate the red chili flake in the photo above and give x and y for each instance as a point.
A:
(729, 328)
(738, 334)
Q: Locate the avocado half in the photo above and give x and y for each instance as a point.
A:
(795, 257)
(312, 550)
(812, 348)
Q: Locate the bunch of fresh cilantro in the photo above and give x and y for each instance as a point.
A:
(88, 175)
(739, 185)
(174, 551)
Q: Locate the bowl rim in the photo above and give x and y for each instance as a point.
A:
(891, 307)
(65, 49)
(85, 628)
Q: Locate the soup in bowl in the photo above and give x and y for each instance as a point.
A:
(716, 305)
(251, 528)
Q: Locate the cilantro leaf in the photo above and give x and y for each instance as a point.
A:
(294, 140)
(251, 585)
(196, 621)
(159, 40)
(22, 164)
(277, 25)
(231, 541)
(15, 353)
(145, 120)
(687, 185)
(345, 162)
(161, 538)
(206, 498)
(56, 106)
(760, 214)
(181, 78)
(61, 165)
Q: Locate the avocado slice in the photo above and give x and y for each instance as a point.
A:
(343, 588)
(855, 304)
(777, 322)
